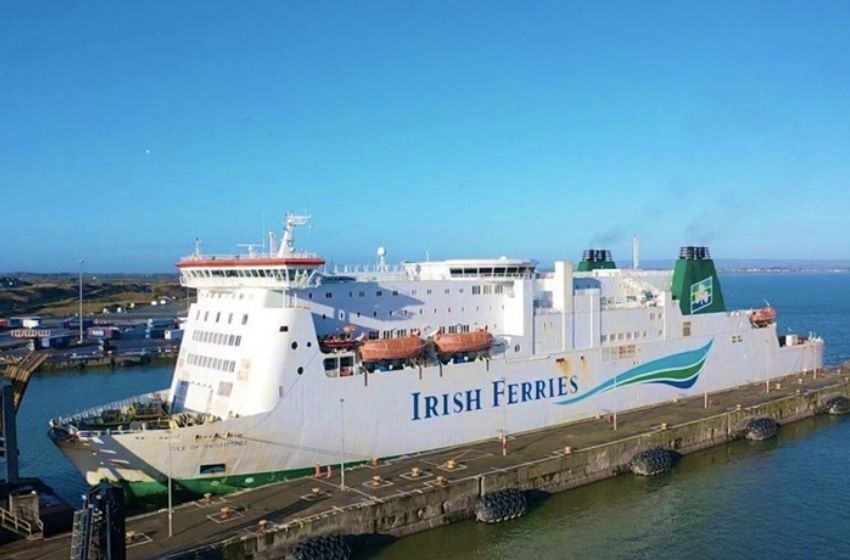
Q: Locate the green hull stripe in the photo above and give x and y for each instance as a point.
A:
(152, 493)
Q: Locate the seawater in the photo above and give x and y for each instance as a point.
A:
(787, 498)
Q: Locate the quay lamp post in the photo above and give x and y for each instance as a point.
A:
(81, 301)
(170, 508)
(341, 444)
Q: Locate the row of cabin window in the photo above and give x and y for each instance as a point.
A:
(399, 333)
(402, 312)
(217, 338)
(276, 273)
(218, 317)
(220, 295)
(500, 271)
(211, 363)
(476, 290)
(636, 335)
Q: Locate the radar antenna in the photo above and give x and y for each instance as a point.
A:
(252, 248)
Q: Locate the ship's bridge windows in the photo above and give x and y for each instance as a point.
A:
(374, 335)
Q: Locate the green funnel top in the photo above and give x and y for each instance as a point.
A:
(594, 259)
(695, 283)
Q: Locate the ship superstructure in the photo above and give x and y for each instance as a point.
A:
(282, 355)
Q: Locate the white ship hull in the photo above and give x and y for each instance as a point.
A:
(390, 414)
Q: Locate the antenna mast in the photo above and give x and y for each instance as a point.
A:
(287, 244)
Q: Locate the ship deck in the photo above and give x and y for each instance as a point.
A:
(197, 526)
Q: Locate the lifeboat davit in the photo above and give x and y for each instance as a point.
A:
(763, 317)
(457, 343)
(403, 348)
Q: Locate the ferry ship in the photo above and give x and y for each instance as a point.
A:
(288, 365)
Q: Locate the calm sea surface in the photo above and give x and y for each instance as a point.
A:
(789, 498)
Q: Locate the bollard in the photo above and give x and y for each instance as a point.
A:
(316, 491)
(377, 480)
(207, 497)
(263, 525)
(130, 537)
(568, 450)
(663, 426)
(738, 407)
(373, 462)
(441, 481)
(451, 464)
(224, 513)
(415, 472)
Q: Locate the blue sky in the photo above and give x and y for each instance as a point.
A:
(463, 128)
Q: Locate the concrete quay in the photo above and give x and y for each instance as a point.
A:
(398, 503)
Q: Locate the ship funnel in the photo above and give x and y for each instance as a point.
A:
(594, 259)
(696, 286)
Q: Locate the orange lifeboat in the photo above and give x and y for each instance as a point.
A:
(456, 343)
(763, 317)
(337, 342)
(403, 348)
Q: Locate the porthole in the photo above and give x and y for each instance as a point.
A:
(300, 370)
(516, 348)
(309, 345)
(294, 345)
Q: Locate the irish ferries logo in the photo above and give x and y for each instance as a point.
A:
(677, 370)
(701, 294)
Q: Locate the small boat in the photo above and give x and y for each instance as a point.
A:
(456, 343)
(337, 342)
(403, 348)
(763, 317)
